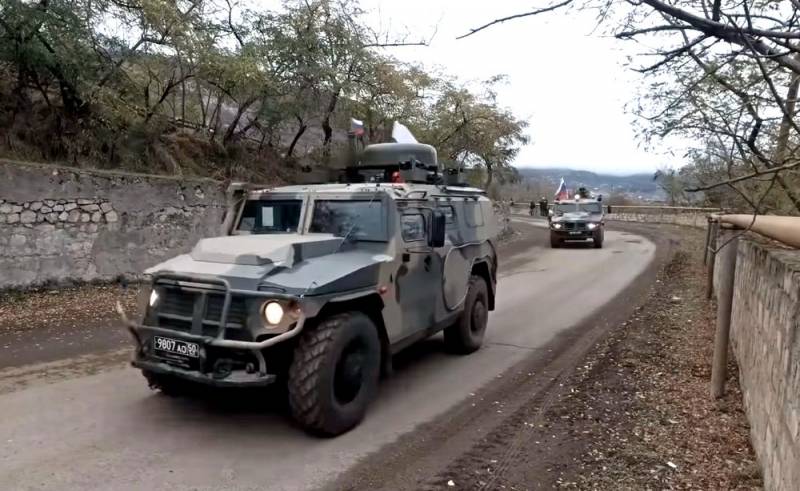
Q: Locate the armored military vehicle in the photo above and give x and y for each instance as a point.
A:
(579, 219)
(317, 286)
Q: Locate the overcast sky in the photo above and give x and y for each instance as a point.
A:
(569, 84)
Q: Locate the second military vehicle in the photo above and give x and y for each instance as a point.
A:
(317, 286)
(578, 219)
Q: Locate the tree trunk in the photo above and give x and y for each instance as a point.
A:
(782, 144)
(300, 130)
(326, 125)
(235, 123)
(489, 175)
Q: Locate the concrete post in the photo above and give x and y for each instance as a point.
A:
(712, 257)
(727, 274)
(708, 241)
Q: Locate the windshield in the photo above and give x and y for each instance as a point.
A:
(561, 208)
(270, 216)
(357, 220)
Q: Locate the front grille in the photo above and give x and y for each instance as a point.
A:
(575, 226)
(177, 302)
(176, 307)
(237, 312)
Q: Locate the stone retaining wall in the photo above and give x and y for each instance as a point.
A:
(62, 224)
(686, 219)
(765, 337)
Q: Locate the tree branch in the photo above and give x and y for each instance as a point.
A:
(773, 170)
(543, 10)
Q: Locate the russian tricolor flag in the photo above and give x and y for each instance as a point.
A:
(562, 192)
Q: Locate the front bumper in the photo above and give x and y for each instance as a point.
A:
(236, 378)
(221, 363)
(575, 234)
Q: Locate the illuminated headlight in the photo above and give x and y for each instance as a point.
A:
(272, 313)
(556, 226)
(153, 298)
(591, 226)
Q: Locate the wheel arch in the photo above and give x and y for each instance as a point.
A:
(371, 305)
(484, 269)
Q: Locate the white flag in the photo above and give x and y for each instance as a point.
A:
(401, 134)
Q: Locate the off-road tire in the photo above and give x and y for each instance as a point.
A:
(318, 361)
(169, 386)
(466, 335)
(598, 240)
(555, 242)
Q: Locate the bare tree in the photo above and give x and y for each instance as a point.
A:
(725, 73)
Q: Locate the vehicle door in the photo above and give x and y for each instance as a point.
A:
(419, 277)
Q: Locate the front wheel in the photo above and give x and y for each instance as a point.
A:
(555, 242)
(466, 335)
(334, 373)
(598, 240)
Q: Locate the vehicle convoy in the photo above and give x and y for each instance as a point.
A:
(317, 286)
(578, 219)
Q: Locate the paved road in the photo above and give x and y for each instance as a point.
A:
(108, 431)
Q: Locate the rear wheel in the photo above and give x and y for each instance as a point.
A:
(334, 374)
(466, 335)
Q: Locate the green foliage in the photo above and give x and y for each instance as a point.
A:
(140, 83)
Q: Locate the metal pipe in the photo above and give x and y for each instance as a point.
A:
(680, 208)
(727, 275)
(712, 257)
(782, 229)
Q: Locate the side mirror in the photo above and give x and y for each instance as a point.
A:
(438, 229)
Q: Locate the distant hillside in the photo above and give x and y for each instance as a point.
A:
(634, 185)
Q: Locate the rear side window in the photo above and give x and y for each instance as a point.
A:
(473, 214)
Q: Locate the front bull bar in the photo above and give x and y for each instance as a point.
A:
(219, 341)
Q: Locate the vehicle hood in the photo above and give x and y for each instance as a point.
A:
(286, 263)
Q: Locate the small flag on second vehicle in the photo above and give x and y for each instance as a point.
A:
(562, 192)
(356, 127)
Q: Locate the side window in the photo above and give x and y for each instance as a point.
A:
(413, 227)
(473, 214)
(449, 213)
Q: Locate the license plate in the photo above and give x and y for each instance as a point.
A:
(575, 233)
(169, 348)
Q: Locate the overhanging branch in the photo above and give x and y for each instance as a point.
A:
(516, 16)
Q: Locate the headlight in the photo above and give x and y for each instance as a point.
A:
(153, 298)
(272, 313)
(556, 225)
(591, 226)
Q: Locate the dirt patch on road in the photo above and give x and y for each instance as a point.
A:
(51, 324)
(619, 403)
(76, 306)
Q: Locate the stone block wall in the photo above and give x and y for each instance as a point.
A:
(765, 337)
(63, 224)
(699, 220)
